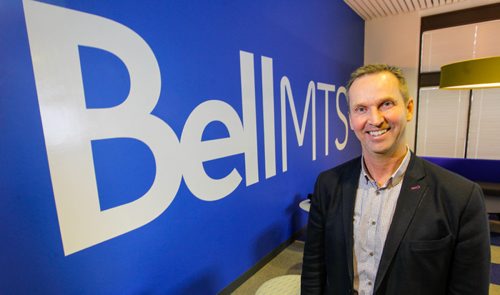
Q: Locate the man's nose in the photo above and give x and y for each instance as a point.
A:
(375, 117)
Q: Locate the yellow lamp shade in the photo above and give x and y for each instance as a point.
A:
(469, 74)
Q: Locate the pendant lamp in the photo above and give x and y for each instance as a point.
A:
(470, 74)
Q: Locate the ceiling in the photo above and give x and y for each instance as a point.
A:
(371, 9)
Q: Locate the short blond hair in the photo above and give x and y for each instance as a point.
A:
(378, 68)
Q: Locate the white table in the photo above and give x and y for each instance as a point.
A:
(305, 205)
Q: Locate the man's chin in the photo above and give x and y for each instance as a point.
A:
(382, 150)
(377, 150)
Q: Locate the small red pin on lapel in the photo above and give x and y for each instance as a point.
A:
(415, 187)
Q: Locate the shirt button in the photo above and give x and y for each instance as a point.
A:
(371, 253)
(373, 223)
(369, 283)
(377, 193)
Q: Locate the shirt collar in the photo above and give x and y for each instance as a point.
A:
(396, 177)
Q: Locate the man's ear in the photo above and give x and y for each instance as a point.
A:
(410, 108)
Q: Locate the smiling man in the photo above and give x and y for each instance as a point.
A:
(389, 222)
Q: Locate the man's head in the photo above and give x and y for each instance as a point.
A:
(379, 109)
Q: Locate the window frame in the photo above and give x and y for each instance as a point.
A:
(446, 20)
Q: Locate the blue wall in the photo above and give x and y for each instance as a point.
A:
(162, 147)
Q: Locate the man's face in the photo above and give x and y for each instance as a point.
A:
(378, 114)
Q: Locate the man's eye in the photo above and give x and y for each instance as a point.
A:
(360, 109)
(388, 104)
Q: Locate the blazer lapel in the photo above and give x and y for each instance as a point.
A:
(349, 187)
(412, 190)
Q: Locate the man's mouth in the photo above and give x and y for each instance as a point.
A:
(378, 132)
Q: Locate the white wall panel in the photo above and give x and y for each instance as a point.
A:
(488, 39)
(442, 123)
(444, 46)
(484, 132)
(448, 45)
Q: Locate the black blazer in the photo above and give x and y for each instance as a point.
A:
(438, 241)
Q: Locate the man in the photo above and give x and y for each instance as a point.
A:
(389, 222)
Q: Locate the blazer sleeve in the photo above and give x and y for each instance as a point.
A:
(313, 278)
(470, 269)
